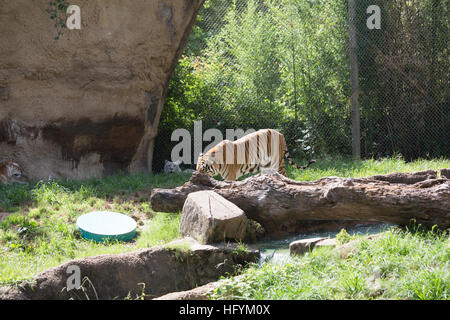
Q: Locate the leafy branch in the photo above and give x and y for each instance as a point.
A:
(57, 11)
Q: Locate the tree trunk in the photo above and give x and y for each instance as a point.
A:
(284, 206)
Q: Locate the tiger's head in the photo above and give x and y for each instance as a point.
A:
(205, 165)
(13, 171)
(172, 167)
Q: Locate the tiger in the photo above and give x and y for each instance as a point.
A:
(174, 167)
(261, 150)
(10, 172)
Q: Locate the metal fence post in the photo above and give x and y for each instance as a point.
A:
(354, 81)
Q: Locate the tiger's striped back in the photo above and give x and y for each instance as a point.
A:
(261, 150)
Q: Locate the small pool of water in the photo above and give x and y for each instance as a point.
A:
(277, 251)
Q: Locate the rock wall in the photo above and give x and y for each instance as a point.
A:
(89, 103)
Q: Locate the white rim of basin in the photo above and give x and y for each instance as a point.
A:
(106, 223)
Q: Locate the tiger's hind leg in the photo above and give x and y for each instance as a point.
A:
(281, 168)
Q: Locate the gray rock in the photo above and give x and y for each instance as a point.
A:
(327, 243)
(199, 293)
(210, 218)
(299, 247)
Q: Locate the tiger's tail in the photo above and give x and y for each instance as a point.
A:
(292, 163)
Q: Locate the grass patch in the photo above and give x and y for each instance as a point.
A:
(410, 264)
(346, 167)
(41, 233)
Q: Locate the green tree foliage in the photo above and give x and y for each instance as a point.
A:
(315, 71)
(404, 79)
(284, 64)
(264, 64)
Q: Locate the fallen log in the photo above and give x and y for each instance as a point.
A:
(283, 206)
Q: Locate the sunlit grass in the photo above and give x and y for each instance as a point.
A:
(345, 167)
(41, 232)
(399, 265)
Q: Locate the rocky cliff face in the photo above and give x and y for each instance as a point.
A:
(89, 103)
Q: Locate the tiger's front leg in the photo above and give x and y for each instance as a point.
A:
(265, 163)
(229, 173)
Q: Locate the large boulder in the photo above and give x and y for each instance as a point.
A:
(89, 103)
(210, 218)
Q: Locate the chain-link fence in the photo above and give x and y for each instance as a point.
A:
(285, 64)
